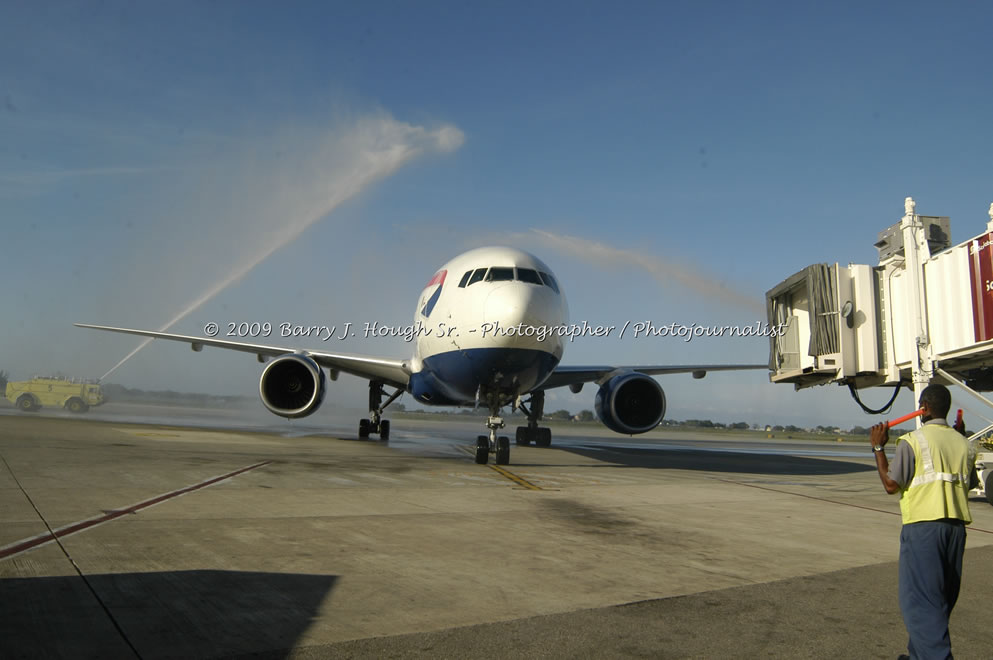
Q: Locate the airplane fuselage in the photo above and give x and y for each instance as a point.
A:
(489, 316)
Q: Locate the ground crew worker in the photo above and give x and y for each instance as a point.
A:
(930, 470)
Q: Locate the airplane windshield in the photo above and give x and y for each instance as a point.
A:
(507, 274)
(528, 275)
(500, 275)
(477, 275)
(550, 281)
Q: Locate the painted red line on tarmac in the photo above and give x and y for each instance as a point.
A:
(74, 528)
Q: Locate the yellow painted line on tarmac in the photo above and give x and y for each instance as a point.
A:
(157, 435)
(520, 481)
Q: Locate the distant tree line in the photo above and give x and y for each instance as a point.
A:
(707, 424)
(563, 415)
(119, 393)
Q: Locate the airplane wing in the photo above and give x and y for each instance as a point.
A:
(563, 376)
(391, 372)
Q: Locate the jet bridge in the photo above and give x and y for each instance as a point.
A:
(924, 313)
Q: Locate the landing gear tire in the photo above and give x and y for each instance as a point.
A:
(25, 403)
(363, 428)
(522, 437)
(482, 449)
(503, 450)
(384, 430)
(989, 487)
(544, 438)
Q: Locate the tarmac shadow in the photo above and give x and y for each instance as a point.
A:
(174, 614)
(717, 461)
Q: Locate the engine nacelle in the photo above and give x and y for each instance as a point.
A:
(630, 403)
(292, 386)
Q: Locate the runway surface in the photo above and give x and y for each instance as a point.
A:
(230, 534)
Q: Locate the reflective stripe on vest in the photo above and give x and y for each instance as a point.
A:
(928, 475)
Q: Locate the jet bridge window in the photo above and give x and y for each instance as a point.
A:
(500, 275)
(529, 276)
(465, 279)
(550, 281)
(477, 275)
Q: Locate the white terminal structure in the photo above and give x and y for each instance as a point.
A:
(923, 314)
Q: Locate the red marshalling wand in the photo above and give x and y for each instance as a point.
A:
(901, 420)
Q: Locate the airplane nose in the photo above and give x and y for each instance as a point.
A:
(520, 319)
(509, 304)
(518, 303)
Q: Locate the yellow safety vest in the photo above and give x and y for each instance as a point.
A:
(940, 488)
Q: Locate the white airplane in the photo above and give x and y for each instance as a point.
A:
(490, 330)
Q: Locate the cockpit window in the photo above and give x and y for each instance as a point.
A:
(477, 275)
(507, 274)
(528, 275)
(550, 281)
(500, 275)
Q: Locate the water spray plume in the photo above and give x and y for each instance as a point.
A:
(665, 272)
(378, 147)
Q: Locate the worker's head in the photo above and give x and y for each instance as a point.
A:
(936, 400)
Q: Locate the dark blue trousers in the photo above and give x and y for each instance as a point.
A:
(930, 577)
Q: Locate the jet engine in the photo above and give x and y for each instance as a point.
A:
(630, 403)
(292, 386)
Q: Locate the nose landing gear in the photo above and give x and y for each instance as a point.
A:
(498, 445)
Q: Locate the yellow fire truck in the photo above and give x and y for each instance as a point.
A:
(72, 394)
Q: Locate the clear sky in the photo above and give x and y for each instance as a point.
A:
(149, 151)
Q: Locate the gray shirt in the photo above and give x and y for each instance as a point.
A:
(904, 463)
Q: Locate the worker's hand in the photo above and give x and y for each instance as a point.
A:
(879, 434)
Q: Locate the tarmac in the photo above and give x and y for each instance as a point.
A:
(179, 542)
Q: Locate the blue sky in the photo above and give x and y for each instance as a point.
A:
(147, 151)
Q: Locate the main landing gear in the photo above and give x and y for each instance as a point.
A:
(541, 436)
(376, 423)
(500, 445)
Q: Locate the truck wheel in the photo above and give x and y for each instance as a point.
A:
(76, 405)
(25, 403)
